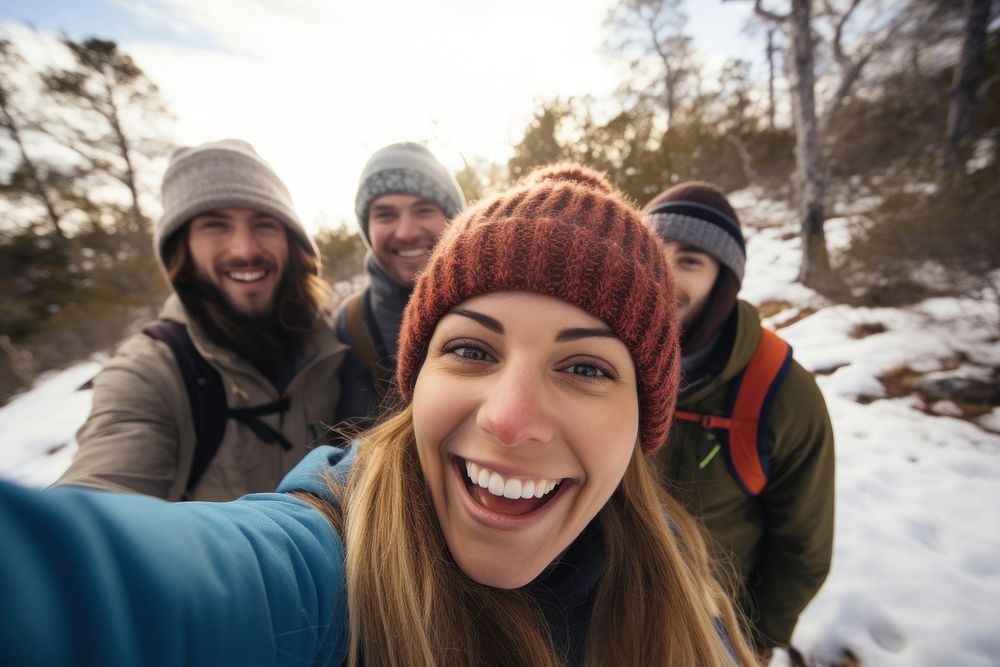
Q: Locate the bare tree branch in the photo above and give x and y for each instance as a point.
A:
(851, 68)
(758, 8)
(838, 33)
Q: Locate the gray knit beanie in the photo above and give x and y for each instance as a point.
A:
(698, 213)
(411, 169)
(222, 174)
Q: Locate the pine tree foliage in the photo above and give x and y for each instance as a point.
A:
(934, 226)
(113, 107)
(342, 251)
(78, 265)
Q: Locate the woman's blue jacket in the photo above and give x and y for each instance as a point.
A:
(89, 577)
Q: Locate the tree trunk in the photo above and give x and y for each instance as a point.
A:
(123, 149)
(770, 77)
(668, 82)
(810, 169)
(40, 191)
(669, 75)
(965, 85)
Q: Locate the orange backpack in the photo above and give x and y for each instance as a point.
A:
(743, 429)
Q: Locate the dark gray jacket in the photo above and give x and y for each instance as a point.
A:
(383, 302)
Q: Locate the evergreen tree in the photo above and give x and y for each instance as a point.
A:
(78, 270)
(115, 111)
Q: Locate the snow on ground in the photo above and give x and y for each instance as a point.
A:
(916, 568)
(37, 427)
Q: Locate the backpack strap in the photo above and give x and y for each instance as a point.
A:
(207, 396)
(744, 427)
(205, 390)
(750, 409)
(362, 340)
(251, 417)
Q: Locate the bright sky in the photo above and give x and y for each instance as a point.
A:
(318, 86)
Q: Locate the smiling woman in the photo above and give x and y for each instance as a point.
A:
(543, 422)
(505, 515)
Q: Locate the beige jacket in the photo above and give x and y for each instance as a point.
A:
(139, 436)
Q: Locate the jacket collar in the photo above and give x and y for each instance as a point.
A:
(565, 591)
(737, 348)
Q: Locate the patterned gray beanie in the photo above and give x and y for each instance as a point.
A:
(411, 169)
(222, 174)
(715, 231)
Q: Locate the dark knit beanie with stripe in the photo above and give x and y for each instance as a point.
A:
(565, 232)
(698, 213)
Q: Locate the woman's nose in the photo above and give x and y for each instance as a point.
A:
(517, 409)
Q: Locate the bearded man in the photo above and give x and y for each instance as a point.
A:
(237, 380)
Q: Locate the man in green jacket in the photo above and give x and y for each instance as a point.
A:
(248, 299)
(777, 538)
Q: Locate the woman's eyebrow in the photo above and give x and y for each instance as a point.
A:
(485, 320)
(569, 335)
(564, 336)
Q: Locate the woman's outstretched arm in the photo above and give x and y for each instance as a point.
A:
(89, 577)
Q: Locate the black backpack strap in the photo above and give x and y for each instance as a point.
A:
(205, 390)
(360, 331)
(251, 417)
(207, 395)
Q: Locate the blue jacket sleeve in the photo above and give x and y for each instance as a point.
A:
(88, 577)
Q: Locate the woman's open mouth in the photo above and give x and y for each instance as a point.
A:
(510, 496)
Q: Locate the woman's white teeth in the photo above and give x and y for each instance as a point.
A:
(512, 488)
(247, 276)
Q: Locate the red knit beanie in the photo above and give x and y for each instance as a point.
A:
(565, 232)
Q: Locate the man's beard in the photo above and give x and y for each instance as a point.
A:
(260, 340)
(215, 295)
(721, 302)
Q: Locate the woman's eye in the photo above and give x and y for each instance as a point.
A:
(467, 351)
(588, 371)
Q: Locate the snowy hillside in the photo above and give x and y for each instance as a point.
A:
(916, 570)
(37, 427)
